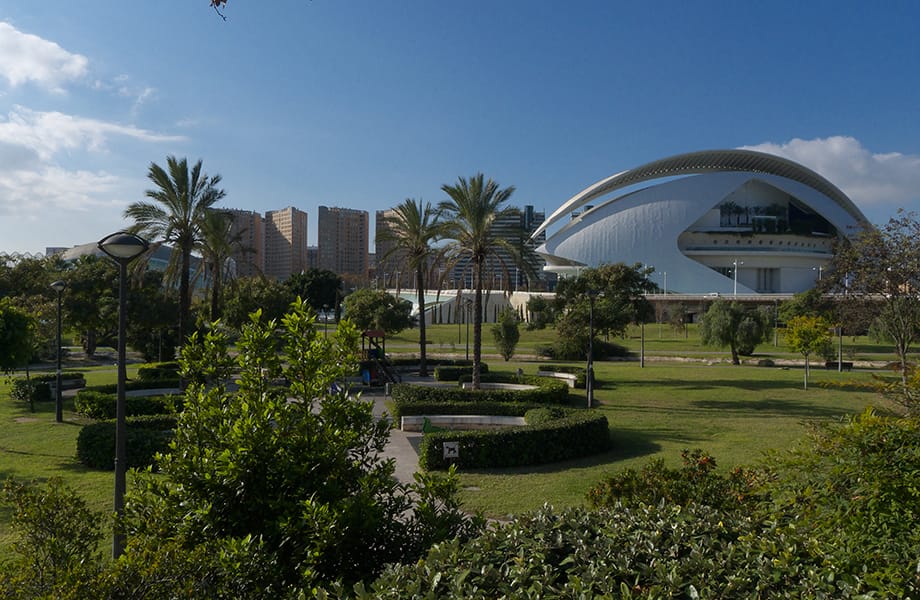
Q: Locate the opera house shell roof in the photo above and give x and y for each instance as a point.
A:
(718, 221)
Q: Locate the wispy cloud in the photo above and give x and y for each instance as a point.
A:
(47, 133)
(872, 180)
(27, 58)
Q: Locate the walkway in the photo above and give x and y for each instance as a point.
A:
(403, 446)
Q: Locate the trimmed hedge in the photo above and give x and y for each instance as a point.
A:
(166, 371)
(100, 405)
(454, 373)
(112, 388)
(409, 407)
(146, 436)
(576, 433)
(550, 391)
(431, 362)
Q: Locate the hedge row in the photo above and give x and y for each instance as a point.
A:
(166, 371)
(408, 407)
(549, 391)
(454, 373)
(145, 437)
(577, 433)
(100, 405)
(112, 388)
(431, 362)
(52, 377)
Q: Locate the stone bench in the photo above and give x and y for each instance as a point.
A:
(417, 422)
(570, 378)
(499, 386)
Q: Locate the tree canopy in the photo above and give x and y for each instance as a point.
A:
(375, 309)
(731, 325)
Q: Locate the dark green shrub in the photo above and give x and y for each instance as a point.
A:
(454, 373)
(409, 407)
(577, 433)
(99, 405)
(431, 362)
(167, 371)
(163, 384)
(549, 392)
(145, 437)
(30, 391)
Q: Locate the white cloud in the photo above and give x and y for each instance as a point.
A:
(872, 180)
(27, 58)
(47, 133)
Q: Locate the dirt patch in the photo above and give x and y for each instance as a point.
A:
(26, 419)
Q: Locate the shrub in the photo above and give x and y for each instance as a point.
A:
(408, 406)
(549, 392)
(167, 371)
(112, 388)
(30, 391)
(577, 433)
(454, 373)
(146, 436)
(99, 405)
(696, 481)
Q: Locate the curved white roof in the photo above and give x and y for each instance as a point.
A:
(707, 161)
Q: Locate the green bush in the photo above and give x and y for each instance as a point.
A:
(166, 371)
(431, 362)
(454, 373)
(408, 407)
(30, 391)
(696, 481)
(549, 391)
(577, 433)
(112, 388)
(100, 405)
(145, 437)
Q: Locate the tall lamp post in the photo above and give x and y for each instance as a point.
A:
(122, 247)
(589, 375)
(58, 286)
(736, 264)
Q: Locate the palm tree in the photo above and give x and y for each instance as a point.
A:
(216, 246)
(412, 228)
(181, 198)
(474, 207)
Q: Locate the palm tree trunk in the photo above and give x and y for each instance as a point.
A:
(422, 366)
(184, 294)
(477, 324)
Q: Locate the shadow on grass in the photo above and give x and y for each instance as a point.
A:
(739, 384)
(771, 407)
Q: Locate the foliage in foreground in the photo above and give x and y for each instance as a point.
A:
(835, 518)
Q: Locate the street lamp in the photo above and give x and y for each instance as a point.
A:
(589, 372)
(122, 247)
(820, 270)
(736, 264)
(58, 286)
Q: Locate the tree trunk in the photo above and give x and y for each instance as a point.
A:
(477, 325)
(735, 359)
(422, 365)
(184, 294)
(89, 343)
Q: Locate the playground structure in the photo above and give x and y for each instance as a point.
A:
(375, 369)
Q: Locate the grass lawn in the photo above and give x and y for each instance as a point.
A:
(733, 413)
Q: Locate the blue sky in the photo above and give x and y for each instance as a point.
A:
(363, 103)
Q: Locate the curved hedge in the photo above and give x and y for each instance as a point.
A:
(548, 391)
(145, 437)
(455, 372)
(574, 433)
(101, 405)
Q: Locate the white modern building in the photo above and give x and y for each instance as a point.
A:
(718, 221)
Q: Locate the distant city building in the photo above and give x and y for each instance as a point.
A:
(343, 242)
(721, 221)
(285, 242)
(501, 271)
(248, 229)
(312, 257)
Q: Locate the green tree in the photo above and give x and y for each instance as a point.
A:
(246, 295)
(292, 473)
(319, 287)
(216, 245)
(412, 229)
(730, 324)
(618, 292)
(181, 198)
(807, 335)
(541, 312)
(16, 332)
(882, 267)
(506, 333)
(813, 302)
(91, 301)
(152, 318)
(475, 205)
(376, 309)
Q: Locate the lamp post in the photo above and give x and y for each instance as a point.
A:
(58, 286)
(325, 319)
(820, 270)
(736, 264)
(589, 371)
(122, 247)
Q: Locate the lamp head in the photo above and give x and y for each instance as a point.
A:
(123, 246)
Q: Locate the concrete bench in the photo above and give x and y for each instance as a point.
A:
(417, 422)
(499, 386)
(570, 378)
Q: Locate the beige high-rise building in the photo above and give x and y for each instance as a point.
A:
(248, 230)
(285, 242)
(343, 242)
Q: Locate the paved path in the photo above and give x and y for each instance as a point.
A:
(403, 446)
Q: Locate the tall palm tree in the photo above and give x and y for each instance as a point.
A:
(182, 197)
(472, 210)
(217, 245)
(412, 228)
